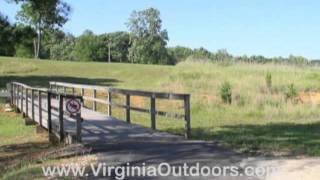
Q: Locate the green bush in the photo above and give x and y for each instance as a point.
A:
(226, 92)
(291, 92)
(269, 81)
(23, 51)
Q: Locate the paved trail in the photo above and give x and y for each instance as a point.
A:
(116, 143)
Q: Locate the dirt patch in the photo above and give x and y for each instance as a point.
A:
(294, 169)
(311, 97)
(138, 101)
(208, 98)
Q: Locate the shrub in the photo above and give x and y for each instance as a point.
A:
(226, 92)
(291, 92)
(269, 81)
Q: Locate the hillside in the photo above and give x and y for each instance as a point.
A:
(258, 120)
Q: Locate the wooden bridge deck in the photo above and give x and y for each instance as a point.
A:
(98, 127)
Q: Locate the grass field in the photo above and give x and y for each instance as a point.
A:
(257, 121)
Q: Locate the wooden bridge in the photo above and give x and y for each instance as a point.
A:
(47, 108)
(117, 142)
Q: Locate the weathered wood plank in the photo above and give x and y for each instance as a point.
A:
(32, 104)
(61, 126)
(94, 105)
(40, 107)
(27, 102)
(21, 99)
(109, 105)
(187, 117)
(49, 112)
(153, 112)
(128, 118)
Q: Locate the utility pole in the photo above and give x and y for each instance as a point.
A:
(109, 55)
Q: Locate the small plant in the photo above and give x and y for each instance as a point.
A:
(226, 92)
(291, 92)
(269, 81)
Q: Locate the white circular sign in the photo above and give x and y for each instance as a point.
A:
(73, 106)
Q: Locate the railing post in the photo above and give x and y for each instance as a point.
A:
(32, 104)
(21, 100)
(128, 108)
(82, 94)
(94, 105)
(15, 95)
(73, 91)
(153, 112)
(57, 91)
(13, 99)
(61, 126)
(40, 108)
(187, 116)
(10, 89)
(27, 103)
(82, 91)
(78, 130)
(64, 90)
(109, 104)
(49, 113)
(18, 96)
(16, 91)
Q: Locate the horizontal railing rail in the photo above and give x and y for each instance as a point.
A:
(62, 87)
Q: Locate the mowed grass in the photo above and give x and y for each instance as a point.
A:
(19, 144)
(257, 121)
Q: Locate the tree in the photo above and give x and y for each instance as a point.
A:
(24, 36)
(86, 48)
(42, 15)
(180, 53)
(6, 37)
(148, 39)
(222, 55)
(64, 49)
(119, 45)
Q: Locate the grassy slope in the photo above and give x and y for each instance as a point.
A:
(256, 120)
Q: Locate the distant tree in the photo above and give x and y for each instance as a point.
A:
(202, 53)
(86, 47)
(297, 60)
(64, 49)
(222, 55)
(42, 15)
(148, 39)
(6, 37)
(119, 43)
(24, 36)
(180, 53)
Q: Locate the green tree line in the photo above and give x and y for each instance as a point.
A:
(37, 33)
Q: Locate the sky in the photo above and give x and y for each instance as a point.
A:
(252, 27)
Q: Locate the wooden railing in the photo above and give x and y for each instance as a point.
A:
(61, 87)
(20, 97)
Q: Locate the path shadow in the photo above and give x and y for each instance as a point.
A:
(176, 154)
(271, 139)
(43, 81)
